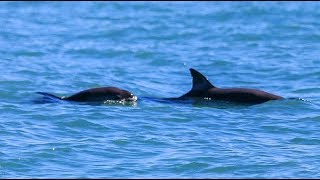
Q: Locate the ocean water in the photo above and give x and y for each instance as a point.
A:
(148, 48)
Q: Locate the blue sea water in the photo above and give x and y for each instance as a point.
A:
(148, 48)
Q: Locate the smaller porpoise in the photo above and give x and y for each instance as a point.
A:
(202, 88)
(100, 94)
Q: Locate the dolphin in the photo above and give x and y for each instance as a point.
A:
(100, 94)
(202, 88)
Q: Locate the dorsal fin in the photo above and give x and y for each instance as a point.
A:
(199, 81)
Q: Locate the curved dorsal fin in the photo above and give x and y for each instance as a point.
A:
(199, 81)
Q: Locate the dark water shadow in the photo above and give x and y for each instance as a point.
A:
(202, 102)
(197, 102)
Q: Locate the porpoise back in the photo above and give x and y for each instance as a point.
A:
(97, 95)
(202, 88)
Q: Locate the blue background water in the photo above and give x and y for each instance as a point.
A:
(147, 48)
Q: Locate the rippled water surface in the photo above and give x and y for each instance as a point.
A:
(148, 48)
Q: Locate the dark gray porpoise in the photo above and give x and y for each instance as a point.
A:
(202, 88)
(97, 95)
